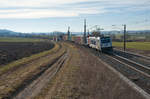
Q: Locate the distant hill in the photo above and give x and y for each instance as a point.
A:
(9, 33)
(4, 32)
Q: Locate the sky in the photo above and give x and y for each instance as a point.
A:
(56, 15)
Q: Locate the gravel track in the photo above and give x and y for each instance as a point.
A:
(124, 67)
(136, 58)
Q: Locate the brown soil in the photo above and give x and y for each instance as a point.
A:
(11, 51)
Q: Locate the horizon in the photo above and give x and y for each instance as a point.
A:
(28, 16)
(77, 32)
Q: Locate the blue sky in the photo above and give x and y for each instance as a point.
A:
(52, 15)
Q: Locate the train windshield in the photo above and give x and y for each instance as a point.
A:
(105, 40)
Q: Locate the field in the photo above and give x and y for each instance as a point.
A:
(17, 39)
(134, 45)
(12, 49)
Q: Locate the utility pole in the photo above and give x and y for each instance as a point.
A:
(69, 33)
(88, 32)
(124, 40)
(85, 41)
(124, 37)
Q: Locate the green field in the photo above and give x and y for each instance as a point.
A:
(17, 39)
(134, 45)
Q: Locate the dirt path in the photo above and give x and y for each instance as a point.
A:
(14, 80)
(35, 87)
(86, 77)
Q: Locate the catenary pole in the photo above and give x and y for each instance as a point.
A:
(124, 37)
(85, 41)
(68, 33)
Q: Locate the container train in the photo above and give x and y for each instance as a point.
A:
(103, 43)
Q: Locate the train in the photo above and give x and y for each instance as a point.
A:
(102, 43)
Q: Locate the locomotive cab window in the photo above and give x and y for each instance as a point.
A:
(105, 40)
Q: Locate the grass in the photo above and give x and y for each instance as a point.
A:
(19, 39)
(5, 68)
(134, 45)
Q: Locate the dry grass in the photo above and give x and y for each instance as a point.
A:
(61, 85)
(96, 81)
(84, 77)
(9, 82)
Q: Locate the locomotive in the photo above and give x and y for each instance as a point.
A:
(103, 44)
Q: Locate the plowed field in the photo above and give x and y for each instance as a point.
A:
(11, 51)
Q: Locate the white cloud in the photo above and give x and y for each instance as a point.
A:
(29, 13)
(53, 3)
(37, 3)
(62, 8)
(43, 13)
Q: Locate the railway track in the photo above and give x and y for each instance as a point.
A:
(134, 65)
(134, 54)
(139, 59)
(135, 71)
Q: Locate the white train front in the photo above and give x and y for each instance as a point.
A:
(103, 44)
